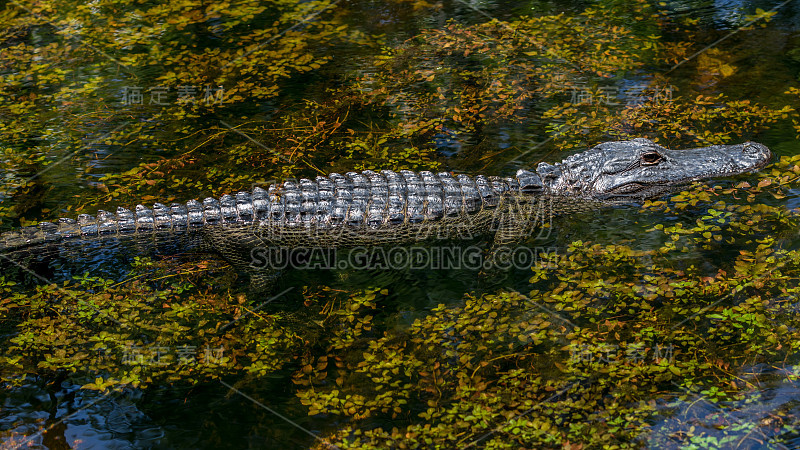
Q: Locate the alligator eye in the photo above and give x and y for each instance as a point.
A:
(650, 158)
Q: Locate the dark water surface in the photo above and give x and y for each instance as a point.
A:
(210, 415)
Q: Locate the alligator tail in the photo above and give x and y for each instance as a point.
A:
(141, 221)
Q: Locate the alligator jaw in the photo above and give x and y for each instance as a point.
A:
(723, 160)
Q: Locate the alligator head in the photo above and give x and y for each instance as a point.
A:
(640, 168)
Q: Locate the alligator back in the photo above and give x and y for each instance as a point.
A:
(365, 208)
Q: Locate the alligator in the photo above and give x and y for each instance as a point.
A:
(401, 208)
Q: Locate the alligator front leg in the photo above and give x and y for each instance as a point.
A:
(263, 280)
(248, 251)
(515, 221)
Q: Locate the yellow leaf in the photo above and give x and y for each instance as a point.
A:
(726, 70)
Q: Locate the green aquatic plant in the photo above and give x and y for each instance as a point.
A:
(167, 82)
(610, 345)
(469, 78)
(156, 327)
(796, 92)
